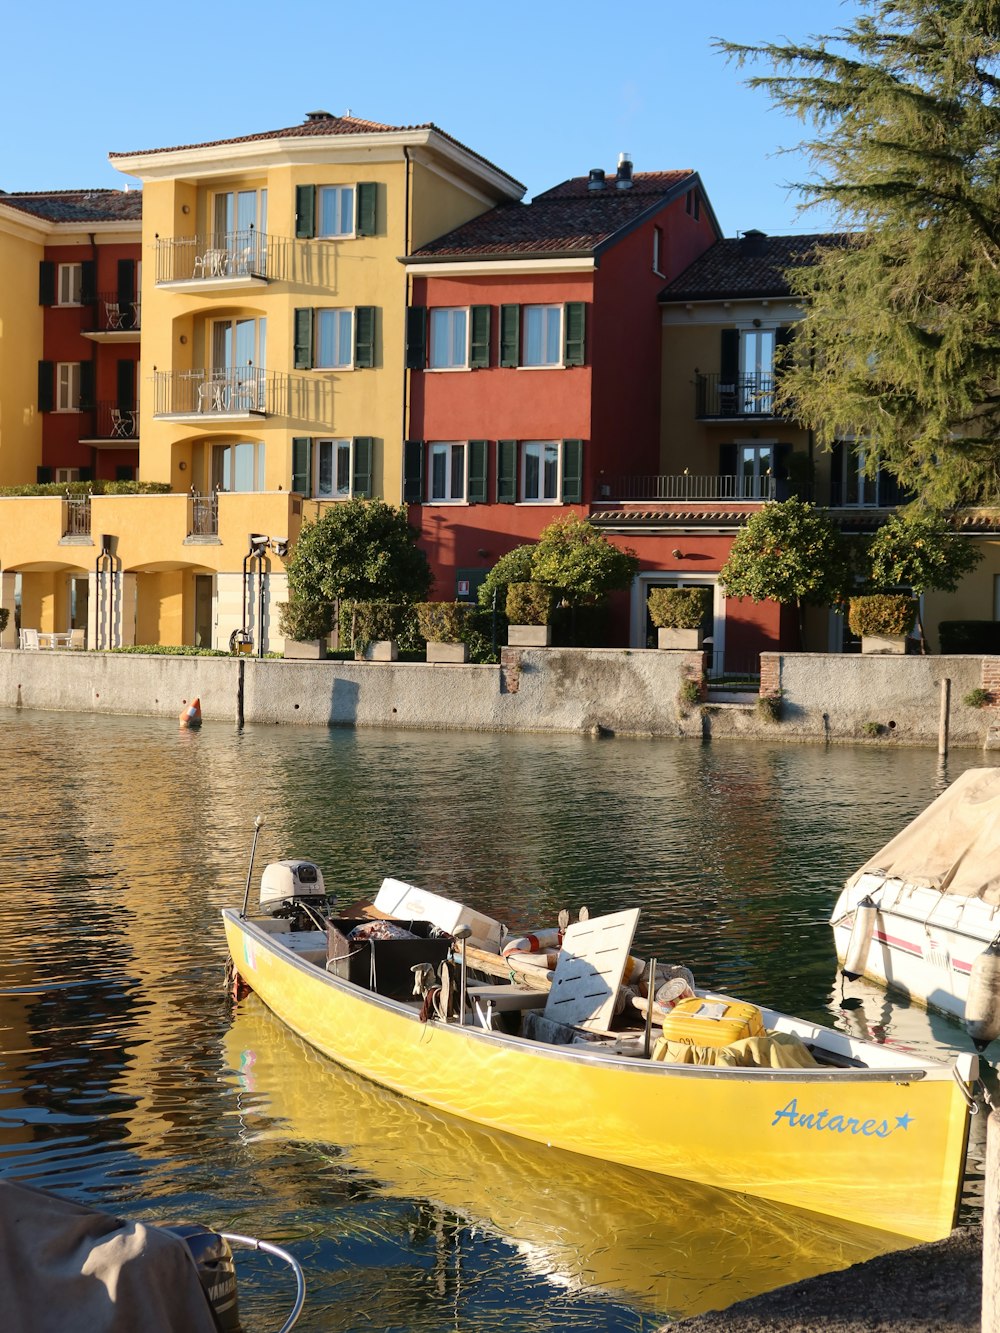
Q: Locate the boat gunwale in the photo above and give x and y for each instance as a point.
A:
(923, 1070)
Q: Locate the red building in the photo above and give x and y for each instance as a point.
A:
(534, 347)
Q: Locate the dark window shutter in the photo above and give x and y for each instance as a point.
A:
(86, 385)
(126, 282)
(477, 471)
(782, 338)
(572, 486)
(124, 472)
(727, 463)
(574, 330)
(890, 493)
(303, 339)
(86, 474)
(506, 470)
(413, 472)
(729, 356)
(367, 201)
(479, 342)
(837, 474)
(126, 384)
(782, 453)
(361, 476)
(305, 211)
(302, 465)
(510, 335)
(46, 386)
(88, 282)
(43, 475)
(364, 336)
(46, 283)
(416, 337)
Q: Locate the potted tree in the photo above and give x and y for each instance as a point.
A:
(529, 607)
(445, 626)
(305, 625)
(883, 621)
(679, 614)
(376, 628)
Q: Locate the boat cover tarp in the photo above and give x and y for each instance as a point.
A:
(67, 1268)
(953, 845)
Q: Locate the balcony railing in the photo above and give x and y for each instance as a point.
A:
(218, 393)
(113, 313)
(111, 421)
(687, 487)
(218, 255)
(750, 395)
(203, 515)
(76, 516)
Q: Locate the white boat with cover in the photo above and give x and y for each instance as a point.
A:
(922, 916)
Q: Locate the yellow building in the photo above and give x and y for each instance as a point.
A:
(273, 373)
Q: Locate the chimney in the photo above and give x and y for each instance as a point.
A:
(595, 181)
(318, 115)
(753, 241)
(624, 174)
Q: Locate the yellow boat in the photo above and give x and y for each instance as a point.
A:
(866, 1133)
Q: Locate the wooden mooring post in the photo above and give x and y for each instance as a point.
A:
(991, 1225)
(943, 719)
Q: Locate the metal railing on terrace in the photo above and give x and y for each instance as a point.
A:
(203, 515)
(76, 516)
(113, 313)
(228, 254)
(114, 422)
(688, 487)
(748, 395)
(234, 392)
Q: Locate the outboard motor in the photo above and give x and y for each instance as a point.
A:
(217, 1272)
(287, 887)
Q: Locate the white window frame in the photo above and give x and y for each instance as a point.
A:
(758, 448)
(67, 386)
(340, 312)
(337, 449)
(545, 312)
(446, 449)
(658, 247)
(66, 474)
(446, 316)
(537, 449)
(854, 454)
(758, 349)
(339, 190)
(220, 470)
(69, 284)
(652, 578)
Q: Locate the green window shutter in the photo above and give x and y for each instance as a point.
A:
(302, 465)
(305, 211)
(46, 386)
(574, 330)
(479, 343)
(46, 283)
(303, 339)
(510, 335)
(88, 282)
(729, 356)
(364, 336)
(506, 471)
(86, 474)
(126, 282)
(367, 201)
(572, 473)
(413, 472)
(86, 385)
(361, 474)
(416, 337)
(477, 471)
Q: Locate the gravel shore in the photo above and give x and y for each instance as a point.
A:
(934, 1288)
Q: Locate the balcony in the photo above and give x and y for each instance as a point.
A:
(222, 394)
(76, 518)
(686, 489)
(113, 427)
(112, 318)
(221, 260)
(739, 397)
(203, 517)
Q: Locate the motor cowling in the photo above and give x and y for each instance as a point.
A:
(287, 883)
(216, 1271)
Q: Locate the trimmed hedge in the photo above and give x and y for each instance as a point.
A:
(882, 613)
(529, 604)
(303, 622)
(62, 488)
(970, 636)
(446, 622)
(679, 608)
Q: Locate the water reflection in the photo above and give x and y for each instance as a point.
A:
(122, 839)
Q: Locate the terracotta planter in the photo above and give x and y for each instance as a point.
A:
(447, 652)
(529, 636)
(678, 638)
(380, 650)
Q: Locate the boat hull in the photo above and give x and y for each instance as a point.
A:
(882, 1148)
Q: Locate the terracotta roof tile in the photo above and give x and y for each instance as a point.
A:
(77, 205)
(751, 265)
(568, 219)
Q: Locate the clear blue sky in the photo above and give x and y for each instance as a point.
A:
(544, 89)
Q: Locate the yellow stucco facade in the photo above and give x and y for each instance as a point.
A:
(22, 245)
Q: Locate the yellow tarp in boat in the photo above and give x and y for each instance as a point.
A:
(775, 1050)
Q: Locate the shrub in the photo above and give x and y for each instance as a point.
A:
(769, 707)
(369, 621)
(169, 650)
(446, 622)
(978, 698)
(679, 608)
(689, 692)
(970, 636)
(304, 621)
(882, 613)
(871, 729)
(62, 488)
(529, 604)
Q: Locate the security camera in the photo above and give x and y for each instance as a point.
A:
(279, 545)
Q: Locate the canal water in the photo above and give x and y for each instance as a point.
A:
(128, 1080)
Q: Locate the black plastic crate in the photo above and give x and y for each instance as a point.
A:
(384, 966)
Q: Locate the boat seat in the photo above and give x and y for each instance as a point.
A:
(505, 998)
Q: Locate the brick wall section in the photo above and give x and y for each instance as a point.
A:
(510, 670)
(770, 674)
(991, 680)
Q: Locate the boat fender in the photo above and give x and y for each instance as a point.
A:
(982, 1005)
(862, 933)
(534, 943)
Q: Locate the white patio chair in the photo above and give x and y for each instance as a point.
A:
(29, 640)
(114, 315)
(121, 423)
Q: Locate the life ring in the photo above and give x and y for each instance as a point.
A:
(534, 942)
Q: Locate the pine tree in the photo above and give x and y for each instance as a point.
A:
(900, 342)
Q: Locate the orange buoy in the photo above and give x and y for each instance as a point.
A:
(191, 716)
